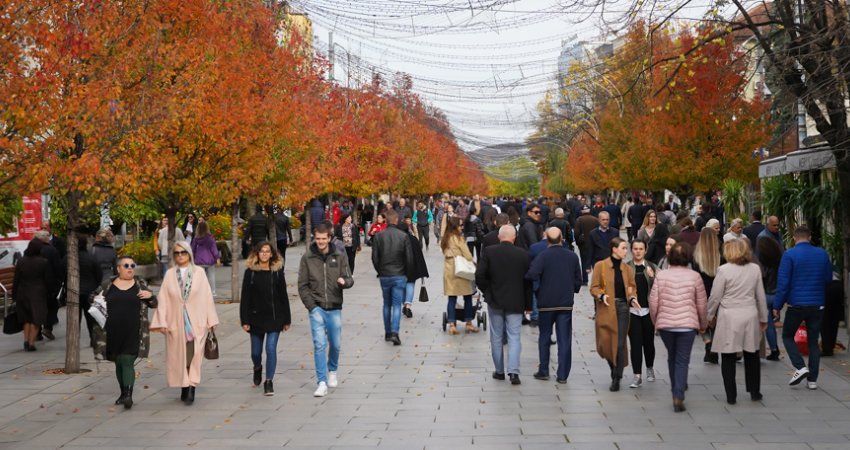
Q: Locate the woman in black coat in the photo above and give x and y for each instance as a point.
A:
(30, 291)
(419, 269)
(91, 276)
(264, 309)
(104, 253)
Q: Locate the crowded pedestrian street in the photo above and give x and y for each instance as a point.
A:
(433, 391)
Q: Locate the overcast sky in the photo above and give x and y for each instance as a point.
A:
(485, 67)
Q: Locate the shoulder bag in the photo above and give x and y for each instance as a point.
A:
(464, 268)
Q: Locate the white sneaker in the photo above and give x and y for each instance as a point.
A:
(812, 385)
(798, 376)
(322, 390)
(636, 382)
(332, 380)
(650, 374)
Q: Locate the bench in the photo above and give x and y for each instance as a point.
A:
(7, 278)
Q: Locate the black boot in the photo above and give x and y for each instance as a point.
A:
(128, 397)
(258, 375)
(123, 395)
(184, 393)
(190, 397)
(615, 385)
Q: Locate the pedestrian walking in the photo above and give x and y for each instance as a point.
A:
(530, 227)
(655, 235)
(755, 228)
(641, 329)
(492, 238)
(189, 227)
(737, 303)
(103, 251)
(418, 270)
(30, 291)
(677, 307)
(501, 276)
(473, 232)
(453, 285)
(349, 234)
(668, 245)
(379, 225)
(322, 276)
(600, 238)
(769, 256)
(164, 236)
(91, 276)
(392, 255)
(185, 314)
(283, 233)
(613, 287)
(53, 251)
(125, 336)
(804, 273)
(557, 272)
(584, 225)
(736, 231)
(422, 219)
(206, 253)
(257, 227)
(707, 261)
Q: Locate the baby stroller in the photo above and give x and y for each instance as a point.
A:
(477, 311)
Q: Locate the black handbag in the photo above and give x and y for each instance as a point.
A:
(211, 346)
(423, 294)
(10, 322)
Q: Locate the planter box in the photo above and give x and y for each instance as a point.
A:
(147, 271)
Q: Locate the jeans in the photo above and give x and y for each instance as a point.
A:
(271, 351)
(467, 308)
(679, 345)
(813, 316)
(563, 322)
(409, 289)
(502, 323)
(210, 271)
(164, 260)
(326, 327)
(392, 289)
(535, 312)
(770, 333)
(622, 308)
(642, 340)
(752, 374)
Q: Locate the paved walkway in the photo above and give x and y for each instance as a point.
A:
(434, 391)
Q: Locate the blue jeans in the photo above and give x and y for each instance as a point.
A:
(563, 322)
(326, 327)
(501, 324)
(813, 316)
(408, 292)
(392, 289)
(467, 308)
(535, 312)
(271, 351)
(770, 333)
(679, 345)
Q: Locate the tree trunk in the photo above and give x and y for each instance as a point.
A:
(270, 224)
(72, 309)
(236, 250)
(843, 167)
(308, 230)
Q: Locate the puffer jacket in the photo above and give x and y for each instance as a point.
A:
(678, 300)
(804, 272)
(317, 278)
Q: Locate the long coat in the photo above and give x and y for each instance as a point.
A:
(738, 302)
(169, 315)
(453, 285)
(100, 335)
(606, 316)
(31, 289)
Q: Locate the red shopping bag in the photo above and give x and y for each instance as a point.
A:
(801, 338)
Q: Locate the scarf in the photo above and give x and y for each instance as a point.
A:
(185, 289)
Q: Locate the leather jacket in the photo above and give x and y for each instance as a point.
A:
(392, 253)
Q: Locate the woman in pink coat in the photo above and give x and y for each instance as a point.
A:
(186, 313)
(677, 305)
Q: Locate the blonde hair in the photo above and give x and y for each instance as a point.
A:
(185, 246)
(707, 252)
(737, 251)
(646, 218)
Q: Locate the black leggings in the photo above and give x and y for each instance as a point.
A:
(752, 373)
(423, 235)
(351, 252)
(642, 340)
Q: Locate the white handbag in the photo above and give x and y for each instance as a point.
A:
(464, 268)
(98, 310)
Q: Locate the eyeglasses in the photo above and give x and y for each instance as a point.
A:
(129, 266)
(181, 253)
(535, 212)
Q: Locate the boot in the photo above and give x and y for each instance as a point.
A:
(190, 396)
(123, 395)
(258, 375)
(678, 405)
(184, 393)
(128, 397)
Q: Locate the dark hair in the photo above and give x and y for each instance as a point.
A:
(769, 252)
(344, 217)
(757, 215)
(680, 254)
(802, 232)
(502, 219)
(82, 243)
(322, 228)
(122, 258)
(530, 207)
(452, 229)
(640, 241)
(254, 257)
(615, 242)
(686, 222)
(392, 217)
(34, 248)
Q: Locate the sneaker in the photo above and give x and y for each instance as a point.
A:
(798, 376)
(812, 385)
(541, 376)
(650, 374)
(636, 382)
(525, 320)
(407, 312)
(258, 375)
(395, 339)
(773, 356)
(533, 323)
(322, 390)
(268, 388)
(332, 380)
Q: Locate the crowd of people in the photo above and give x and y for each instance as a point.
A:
(675, 274)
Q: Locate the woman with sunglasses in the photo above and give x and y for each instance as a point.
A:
(185, 315)
(126, 335)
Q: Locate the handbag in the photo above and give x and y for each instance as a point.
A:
(211, 346)
(464, 268)
(98, 310)
(10, 322)
(423, 294)
(801, 338)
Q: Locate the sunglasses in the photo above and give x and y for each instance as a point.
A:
(129, 266)
(535, 212)
(181, 253)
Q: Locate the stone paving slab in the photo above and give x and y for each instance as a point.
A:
(434, 391)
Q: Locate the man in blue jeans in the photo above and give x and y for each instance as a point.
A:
(322, 275)
(392, 256)
(804, 273)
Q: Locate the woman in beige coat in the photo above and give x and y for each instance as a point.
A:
(185, 293)
(737, 303)
(453, 245)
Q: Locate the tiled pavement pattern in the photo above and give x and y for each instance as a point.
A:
(434, 391)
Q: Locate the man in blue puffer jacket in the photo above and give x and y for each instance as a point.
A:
(804, 272)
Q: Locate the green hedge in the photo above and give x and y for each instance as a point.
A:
(141, 251)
